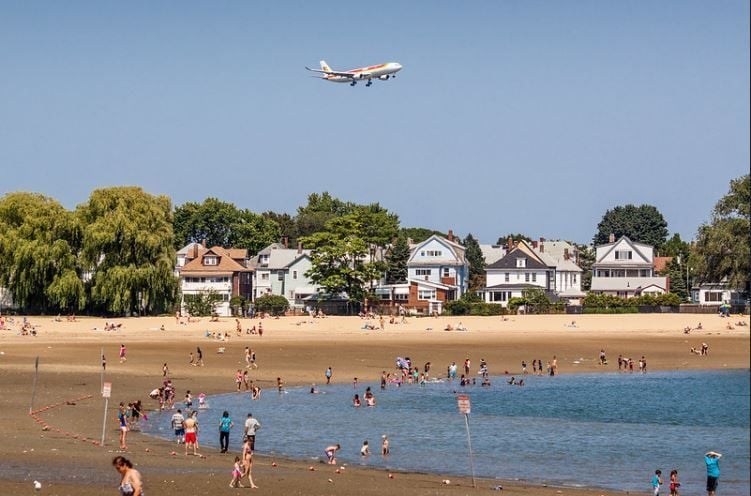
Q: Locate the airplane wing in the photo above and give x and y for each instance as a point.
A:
(339, 74)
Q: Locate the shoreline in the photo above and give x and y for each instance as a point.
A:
(70, 367)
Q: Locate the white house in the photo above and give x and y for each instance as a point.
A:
(281, 271)
(437, 272)
(519, 270)
(625, 268)
(528, 265)
(717, 294)
(224, 271)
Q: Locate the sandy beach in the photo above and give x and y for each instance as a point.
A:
(299, 350)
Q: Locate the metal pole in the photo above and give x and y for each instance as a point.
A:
(101, 378)
(469, 444)
(104, 421)
(34, 388)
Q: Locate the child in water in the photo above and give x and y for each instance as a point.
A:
(202, 400)
(365, 450)
(356, 403)
(674, 484)
(237, 473)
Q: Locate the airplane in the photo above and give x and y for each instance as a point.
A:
(381, 71)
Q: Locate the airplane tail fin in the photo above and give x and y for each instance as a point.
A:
(325, 66)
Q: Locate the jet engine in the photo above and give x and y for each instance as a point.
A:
(384, 77)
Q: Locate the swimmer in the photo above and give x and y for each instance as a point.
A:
(385, 450)
(365, 450)
(356, 401)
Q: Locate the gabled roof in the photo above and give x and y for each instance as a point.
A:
(226, 264)
(279, 257)
(492, 253)
(456, 250)
(640, 248)
(521, 250)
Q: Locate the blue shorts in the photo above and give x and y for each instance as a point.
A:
(179, 432)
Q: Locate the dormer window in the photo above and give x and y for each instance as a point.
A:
(264, 259)
(623, 255)
(521, 263)
(210, 260)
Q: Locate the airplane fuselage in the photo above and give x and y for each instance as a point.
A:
(380, 71)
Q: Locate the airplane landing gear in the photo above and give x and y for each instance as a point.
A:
(370, 81)
(353, 83)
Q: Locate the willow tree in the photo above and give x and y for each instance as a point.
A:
(128, 250)
(39, 241)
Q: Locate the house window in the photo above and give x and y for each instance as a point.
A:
(573, 278)
(294, 274)
(534, 276)
(210, 260)
(434, 253)
(422, 253)
(713, 296)
(521, 262)
(264, 259)
(280, 275)
(506, 277)
(446, 272)
(402, 297)
(423, 272)
(623, 255)
(265, 276)
(526, 277)
(426, 294)
(385, 296)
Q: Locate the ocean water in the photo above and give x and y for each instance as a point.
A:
(608, 430)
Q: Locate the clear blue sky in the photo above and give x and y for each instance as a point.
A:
(508, 115)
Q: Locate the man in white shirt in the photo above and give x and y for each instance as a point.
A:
(251, 426)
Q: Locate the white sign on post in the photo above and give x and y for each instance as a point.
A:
(462, 401)
(107, 390)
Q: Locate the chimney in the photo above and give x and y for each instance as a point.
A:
(565, 254)
(611, 238)
(509, 243)
(203, 242)
(542, 240)
(299, 247)
(450, 236)
(195, 250)
(534, 244)
(542, 246)
(285, 241)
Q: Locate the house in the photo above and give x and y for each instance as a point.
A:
(280, 270)
(492, 253)
(437, 272)
(562, 256)
(625, 268)
(529, 265)
(717, 294)
(521, 269)
(225, 271)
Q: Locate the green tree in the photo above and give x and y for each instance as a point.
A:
(39, 241)
(320, 209)
(537, 300)
(476, 262)
(643, 224)
(677, 275)
(128, 248)
(221, 223)
(586, 259)
(502, 240)
(675, 247)
(722, 247)
(273, 304)
(419, 234)
(396, 261)
(341, 260)
(286, 223)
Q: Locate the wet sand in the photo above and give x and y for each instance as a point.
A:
(299, 350)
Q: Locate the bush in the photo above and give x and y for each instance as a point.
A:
(238, 304)
(460, 307)
(274, 304)
(611, 310)
(202, 304)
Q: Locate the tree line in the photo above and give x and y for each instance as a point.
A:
(115, 253)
